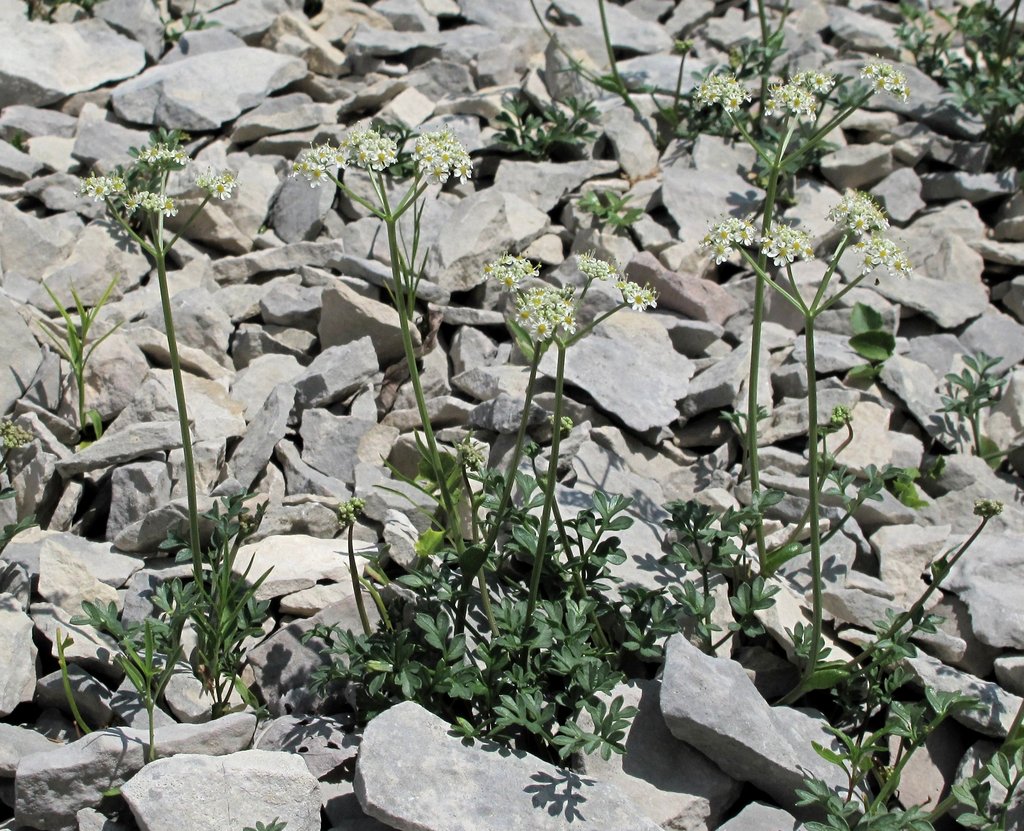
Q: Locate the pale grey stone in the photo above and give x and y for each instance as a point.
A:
(17, 742)
(265, 430)
(330, 443)
(503, 791)
(291, 34)
(17, 655)
(17, 165)
(29, 122)
(202, 41)
(92, 54)
(504, 412)
(28, 246)
(917, 387)
(1009, 219)
(904, 553)
(673, 784)
(298, 211)
(1009, 671)
(336, 373)
(92, 697)
(997, 709)
(605, 366)
(137, 19)
(974, 187)
(965, 479)
(136, 489)
(712, 705)
(900, 195)
(198, 322)
(102, 143)
(758, 816)
(976, 757)
(858, 165)
(347, 316)
(545, 184)
(863, 32)
(490, 222)
(125, 445)
(286, 304)
(65, 581)
(987, 580)
(696, 299)
(208, 793)
(323, 742)
(254, 384)
(294, 562)
(998, 335)
(303, 478)
(232, 81)
(21, 349)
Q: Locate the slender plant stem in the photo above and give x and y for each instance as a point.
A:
(179, 396)
(813, 494)
(66, 681)
(549, 489)
(353, 572)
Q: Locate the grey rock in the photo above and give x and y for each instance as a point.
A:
(135, 490)
(761, 817)
(503, 413)
(330, 443)
(29, 122)
(280, 114)
(976, 757)
(1009, 670)
(102, 143)
(50, 788)
(545, 184)
(502, 791)
(17, 742)
(198, 322)
(916, 385)
(627, 30)
(17, 655)
(986, 580)
(113, 375)
(632, 144)
(124, 445)
(265, 430)
(1009, 219)
(712, 705)
(974, 187)
(904, 553)
(858, 165)
(17, 165)
(967, 478)
(490, 222)
(92, 697)
(28, 246)
(723, 382)
(697, 299)
(289, 305)
(92, 54)
(349, 316)
(91, 649)
(605, 364)
(65, 581)
(21, 349)
(863, 32)
(303, 478)
(997, 709)
(900, 194)
(253, 384)
(673, 784)
(232, 81)
(336, 373)
(245, 787)
(323, 742)
(997, 335)
(137, 19)
(294, 562)
(298, 211)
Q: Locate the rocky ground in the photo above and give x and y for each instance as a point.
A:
(287, 337)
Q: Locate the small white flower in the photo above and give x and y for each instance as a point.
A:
(441, 155)
(885, 77)
(723, 237)
(859, 213)
(510, 270)
(594, 268)
(877, 251)
(785, 244)
(724, 90)
(218, 185)
(101, 188)
(160, 154)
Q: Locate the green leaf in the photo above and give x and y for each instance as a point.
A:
(780, 556)
(876, 345)
(472, 559)
(429, 542)
(825, 678)
(863, 318)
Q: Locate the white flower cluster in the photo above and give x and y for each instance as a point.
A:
(724, 90)
(859, 213)
(723, 237)
(367, 149)
(102, 188)
(884, 77)
(441, 155)
(315, 164)
(545, 312)
(784, 244)
(798, 97)
(637, 297)
(150, 203)
(877, 251)
(218, 185)
(510, 270)
(162, 155)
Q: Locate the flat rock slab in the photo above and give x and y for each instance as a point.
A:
(117, 447)
(204, 91)
(446, 786)
(91, 54)
(206, 793)
(711, 704)
(989, 579)
(629, 367)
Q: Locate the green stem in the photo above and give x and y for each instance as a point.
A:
(812, 480)
(353, 572)
(179, 396)
(66, 681)
(549, 488)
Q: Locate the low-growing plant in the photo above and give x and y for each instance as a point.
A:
(977, 52)
(871, 340)
(11, 436)
(276, 824)
(610, 208)
(549, 132)
(969, 393)
(73, 344)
